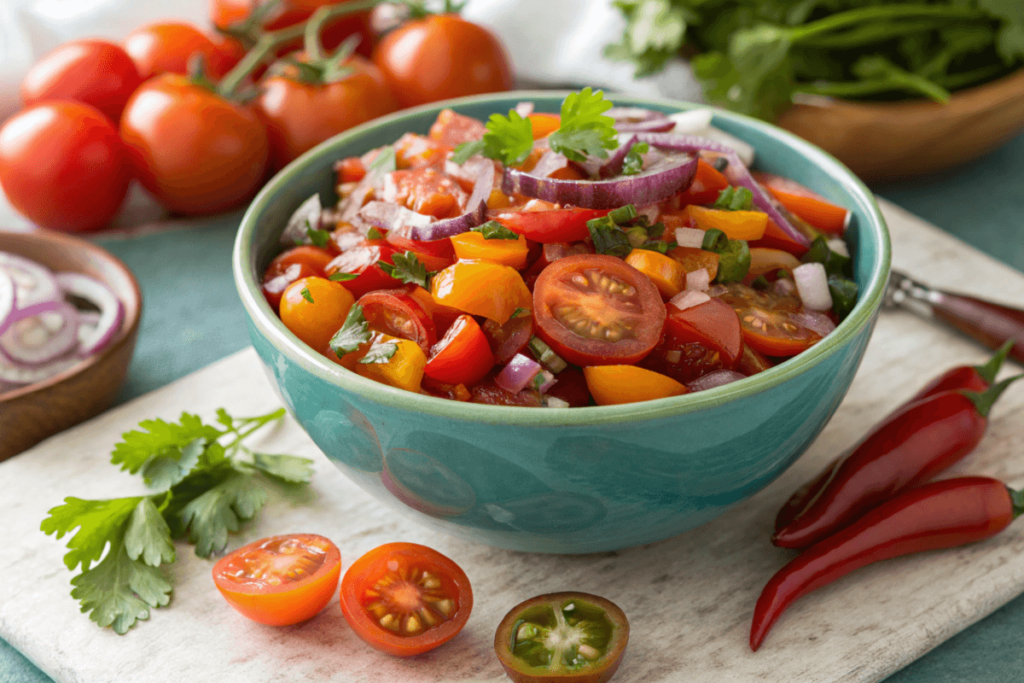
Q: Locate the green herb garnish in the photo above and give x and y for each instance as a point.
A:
(319, 238)
(407, 268)
(342, 277)
(374, 234)
(634, 162)
(585, 130)
(380, 352)
(834, 262)
(519, 312)
(493, 230)
(354, 332)
(306, 295)
(734, 199)
(733, 256)
(509, 139)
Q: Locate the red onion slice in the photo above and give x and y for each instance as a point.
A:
(812, 286)
(7, 295)
(111, 309)
(33, 283)
(42, 338)
(714, 379)
(613, 166)
(688, 298)
(518, 374)
(658, 182)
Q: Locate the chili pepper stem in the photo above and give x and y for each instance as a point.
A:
(989, 370)
(983, 400)
(1017, 499)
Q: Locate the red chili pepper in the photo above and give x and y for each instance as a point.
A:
(969, 377)
(910, 447)
(943, 514)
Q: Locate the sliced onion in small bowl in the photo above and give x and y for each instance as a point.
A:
(40, 339)
(110, 307)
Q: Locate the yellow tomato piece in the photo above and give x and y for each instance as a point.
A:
(314, 308)
(544, 125)
(404, 370)
(667, 274)
(768, 260)
(472, 245)
(615, 384)
(737, 225)
(482, 288)
(692, 258)
(498, 200)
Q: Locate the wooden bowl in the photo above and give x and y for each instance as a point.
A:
(891, 140)
(30, 414)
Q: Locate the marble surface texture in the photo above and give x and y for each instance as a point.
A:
(689, 599)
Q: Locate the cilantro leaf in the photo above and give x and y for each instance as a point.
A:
(164, 471)
(318, 237)
(353, 333)
(380, 353)
(634, 162)
(160, 438)
(493, 230)
(407, 268)
(374, 234)
(608, 238)
(220, 510)
(584, 130)
(342, 277)
(509, 139)
(147, 536)
(288, 468)
(98, 522)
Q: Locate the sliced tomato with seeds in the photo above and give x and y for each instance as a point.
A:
(364, 262)
(406, 599)
(463, 356)
(550, 253)
(597, 310)
(555, 225)
(771, 322)
(509, 339)
(397, 313)
(572, 637)
(281, 580)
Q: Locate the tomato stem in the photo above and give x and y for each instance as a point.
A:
(1017, 499)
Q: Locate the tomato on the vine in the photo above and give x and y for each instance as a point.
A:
(193, 150)
(169, 47)
(227, 14)
(63, 166)
(281, 580)
(406, 599)
(442, 56)
(771, 322)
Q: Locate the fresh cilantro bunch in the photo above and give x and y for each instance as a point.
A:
(205, 484)
(754, 55)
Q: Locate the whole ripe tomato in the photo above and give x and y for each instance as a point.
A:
(300, 115)
(227, 13)
(194, 151)
(167, 48)
(63, 166)
(93, 72)
(442, 56)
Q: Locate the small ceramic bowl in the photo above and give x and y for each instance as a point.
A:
(30, 414)
(571, 480)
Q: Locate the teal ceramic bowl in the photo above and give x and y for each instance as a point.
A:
(573, 480)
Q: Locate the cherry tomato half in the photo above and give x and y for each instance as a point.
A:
(314, 309)
(481, 288)
(571, 637)
(93, 72)
(281, 580)
(364, 261)
(435, 255)
(597, 310)
(168, 48)
(292, 265)
(463, 356)
(556, 225)
(698, 340)
(616, 384)
(510, 338)
(771, 322)
(397, 313)
(405, 599)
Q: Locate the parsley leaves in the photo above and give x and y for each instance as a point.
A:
(584, 129)
(319, 238)
(493, 230)
(509, 139)
(353, 333)
(634, 162)
(342, 277)
(374, 234)
(407, 268)
(622, 231)
(380, 352)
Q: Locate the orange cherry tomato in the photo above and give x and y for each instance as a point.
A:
(616, 384)
(440, 57)
(692, 258)
(406, 599)
(398, 313)
(452, 129)
(481, 288)
(771, 322)
(364, 261)
(281, 580)
(463, 356)
(737, 225)
(473, 245)
(707, 184)
(768, 261)
(403, 370)
(808, 205)
(544, 125)
(314, 308)
(667, 274)
(168, 48)
(292, 265)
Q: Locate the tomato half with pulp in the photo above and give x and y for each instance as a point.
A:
(405, 598)
(771, 322)
(697, 340)
(463, 356)
(556, 225)
(281, 580)
(397, 313)
(364, 261)
(572, 637)
(597, 310)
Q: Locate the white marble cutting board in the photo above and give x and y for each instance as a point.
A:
(689, 599)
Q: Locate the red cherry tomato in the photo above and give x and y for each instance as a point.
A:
(398, 313)
(440, 57)
(63, 166)
(698, 340)
(775, 238)
(292, 265)
(281, 580)
(557, 225)
(509, 339)
(405, 599)
(226, 13)
(363, 262)
(571, 387)
(463, 356)
(168, 48)
(194, 151)
(597, 310)
(771, 322)
(435, 255)
(707, 184)
(93, 72)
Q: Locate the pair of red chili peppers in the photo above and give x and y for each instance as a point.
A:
(864, 508)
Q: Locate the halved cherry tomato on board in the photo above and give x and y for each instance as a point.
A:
(693, 259)
(770, 321)
(292, 265)
(509, 339)
(697, 340)
(473, 246)
(615, 384)
(364, 262)
(452, 129)
(463, 356)
(481, 288)
(556, 225)
(571, 637)
(707, 184)
(667, 274)
(398, 313)
(314, 308)
(737, 225)
(405, 598)
(808, 205)
(281, 580)
(597, 310)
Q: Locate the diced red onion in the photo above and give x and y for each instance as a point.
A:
(518, 374)
(714, 379)
(7, 295)
(819, 322)
(812, 286)
(524, 109)
(784, 286)
(33, 283)
(42, 338)
(111, 309)
(548, 163)
(549, 381)
(699, 280)
(688, 298)
(690, 237)
(838, 245)
(656, 183)
(613, 166)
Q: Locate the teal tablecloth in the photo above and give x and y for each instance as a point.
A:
(192, 317)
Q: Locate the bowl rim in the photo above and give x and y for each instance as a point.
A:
(261, 315)
(133, 315)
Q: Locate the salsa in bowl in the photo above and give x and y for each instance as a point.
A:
(594, 477)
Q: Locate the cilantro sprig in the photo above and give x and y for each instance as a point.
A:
(509, 139)
(735, 199)
(205, 483)
(408, 268)
(353, 333)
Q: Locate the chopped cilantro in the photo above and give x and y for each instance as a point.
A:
(342, 277)
(634, 161)
(735, 199)
(318, 237)
(733, 255)
(354, 332)
(407, 268)
(306, 295)
(608, 238)
(380, 352)
(584, 130)
(493, 230)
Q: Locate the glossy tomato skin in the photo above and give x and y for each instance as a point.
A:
(510, 338)
(698, 340)
(63, 166)
(770, 321)
(225, 13)
(367, 573)
(314, 308)
(92, 72)
(597, 310)
(364, 261)
(463, 356)
(167, 48)
(292, 600)
(556, 225)
(194, 151)
(440, 57)
(398, 313)
(300, 116)
(292, 265)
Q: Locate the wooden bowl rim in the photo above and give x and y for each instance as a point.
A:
(133, 314)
